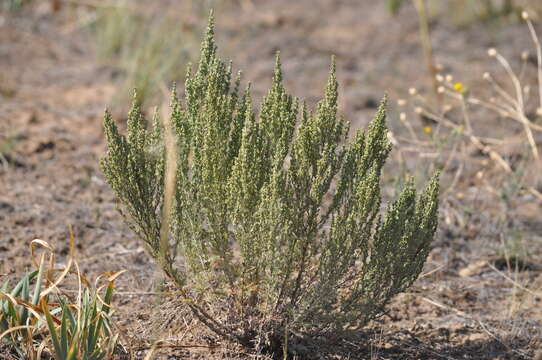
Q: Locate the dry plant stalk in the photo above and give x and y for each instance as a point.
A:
(507, 104)
(254, 248)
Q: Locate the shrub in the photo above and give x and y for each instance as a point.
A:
(275, 229)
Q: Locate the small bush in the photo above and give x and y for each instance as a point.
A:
(276, 229)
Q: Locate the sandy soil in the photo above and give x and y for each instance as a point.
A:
(52, 95)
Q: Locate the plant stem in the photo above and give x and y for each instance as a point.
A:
(425, 38)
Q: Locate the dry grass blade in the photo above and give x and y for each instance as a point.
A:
(514, 282)
(152, 350)
(169, 182)
(14, 329)
(520, 106)
(534, 36)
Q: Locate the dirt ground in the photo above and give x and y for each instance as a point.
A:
(53, 92)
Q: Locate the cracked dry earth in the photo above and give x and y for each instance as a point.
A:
(52, 95)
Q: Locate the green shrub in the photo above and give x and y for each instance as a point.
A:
(276, 229)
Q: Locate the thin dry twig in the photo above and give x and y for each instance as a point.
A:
(514, 282)
(536, 41)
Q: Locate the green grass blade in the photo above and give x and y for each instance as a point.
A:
(107, 298)
(64, 328)
(37, 290)
(13, 314)
(4, 287)
(3, 303)
(93, 330)
(104, 311)
(25, 296)
(60, 355)
(73, 322)
(19, 286)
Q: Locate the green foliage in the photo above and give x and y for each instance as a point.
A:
(84, 333)
(42, 322)
(394, 6)
(276, 224)
(16, 328)
(14, 5)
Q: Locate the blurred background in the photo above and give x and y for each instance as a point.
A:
(464, 83)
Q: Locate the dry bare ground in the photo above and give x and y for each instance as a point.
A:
(479, 297)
